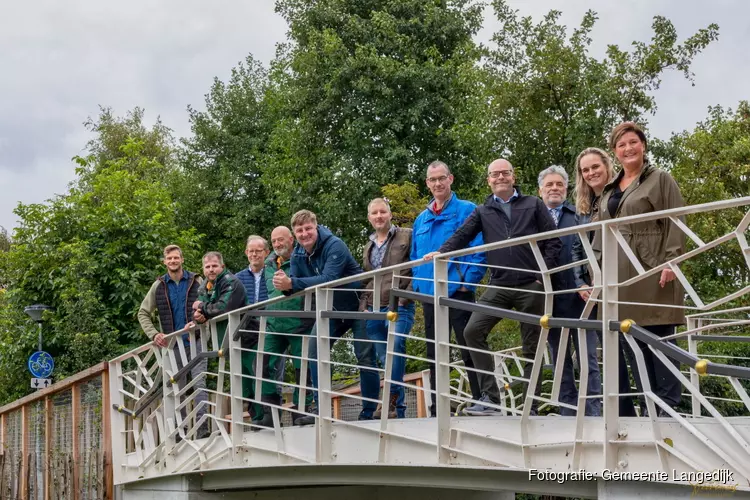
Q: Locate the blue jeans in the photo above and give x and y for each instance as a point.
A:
(378, 330)
(369, 379)
(568, 389)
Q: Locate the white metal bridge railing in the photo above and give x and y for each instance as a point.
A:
(155, 430)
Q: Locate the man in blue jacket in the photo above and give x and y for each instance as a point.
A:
(507, 213)
(320, 257)
(171, 297)
(444, 214)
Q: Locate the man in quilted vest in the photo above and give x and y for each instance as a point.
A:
(171, 296)
(254, 280)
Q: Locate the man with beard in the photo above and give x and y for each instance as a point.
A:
(284, 333)
(318, 258)
(387, 246)
(171, 296)
(221, 293)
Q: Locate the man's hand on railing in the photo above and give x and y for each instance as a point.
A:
(585, 294)
(667, 275)
(199, 317)
(430, 255)
(159, 340)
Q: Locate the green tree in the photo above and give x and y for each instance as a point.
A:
(4, 240)
(544, 98)
(91, 254)
(367, 93)
(222, 195)
(406, 202)
(111, 132)
(711, 163)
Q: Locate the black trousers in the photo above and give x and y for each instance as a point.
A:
(457, 320)
(481, 325)
(663, 382)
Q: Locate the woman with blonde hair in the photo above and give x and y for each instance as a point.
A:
(593, 171)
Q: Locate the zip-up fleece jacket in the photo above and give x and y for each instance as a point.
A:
(226, 293)
(157, 299)
(528, 215)
(283, 325)
(432, 230)
(329, 260)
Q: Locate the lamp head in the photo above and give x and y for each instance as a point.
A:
(35, 312)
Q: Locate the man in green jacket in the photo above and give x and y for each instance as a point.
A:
(287, 331)
(220, 293)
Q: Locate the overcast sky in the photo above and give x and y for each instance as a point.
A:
(60, 60)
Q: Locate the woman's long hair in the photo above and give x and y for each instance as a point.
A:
(584, 193)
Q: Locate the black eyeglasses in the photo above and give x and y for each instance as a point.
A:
(498, 173)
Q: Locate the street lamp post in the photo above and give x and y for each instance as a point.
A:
(35, 313)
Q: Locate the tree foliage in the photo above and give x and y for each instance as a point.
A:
(359, 99)
(91, 254)
(221, 194)
(544, 98)
(369, 93)
(712, 163)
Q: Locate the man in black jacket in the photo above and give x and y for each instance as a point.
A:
(220, 293)
(506, 214)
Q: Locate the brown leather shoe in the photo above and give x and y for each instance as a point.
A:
(391, 408)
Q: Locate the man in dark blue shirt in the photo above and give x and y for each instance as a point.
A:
(171, 296)
(253, 277)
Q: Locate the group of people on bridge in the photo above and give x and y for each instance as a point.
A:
(308, 254)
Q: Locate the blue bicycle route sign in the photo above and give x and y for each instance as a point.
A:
(41, 364)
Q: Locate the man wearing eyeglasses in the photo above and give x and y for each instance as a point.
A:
(444, 214)
(507, 213)
(253, 278)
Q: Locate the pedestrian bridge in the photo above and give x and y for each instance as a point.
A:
(515, 451)
(156, 451)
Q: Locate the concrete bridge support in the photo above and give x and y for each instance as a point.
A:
(150, 492)
(378, 482)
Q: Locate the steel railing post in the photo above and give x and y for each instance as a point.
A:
(610, 345)
(694, 377)
(442, 360)
(235, 387)
(324, 302)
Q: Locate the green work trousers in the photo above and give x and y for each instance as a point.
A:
(277, 344)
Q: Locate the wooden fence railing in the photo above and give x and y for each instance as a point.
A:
(56, 443)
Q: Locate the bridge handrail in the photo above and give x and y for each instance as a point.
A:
(448, 441)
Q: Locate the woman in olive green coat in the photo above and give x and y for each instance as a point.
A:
(641, 188)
